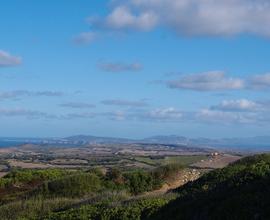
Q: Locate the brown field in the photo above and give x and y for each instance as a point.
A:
(68, 161)
(7, 150)
(26, 165)
(218, 161)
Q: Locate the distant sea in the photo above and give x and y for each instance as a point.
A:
(5, 144)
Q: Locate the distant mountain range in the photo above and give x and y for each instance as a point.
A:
(250, 143)
(259, 143)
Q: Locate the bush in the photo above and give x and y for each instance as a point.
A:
(139, 181)
(72, 186)
(25, 176)
(165, 172)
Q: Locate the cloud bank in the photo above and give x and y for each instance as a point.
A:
(219, 81)
(20, 93)
(227, 112)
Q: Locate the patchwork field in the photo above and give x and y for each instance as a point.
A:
(122, 156)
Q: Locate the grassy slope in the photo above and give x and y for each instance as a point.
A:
(239, 191)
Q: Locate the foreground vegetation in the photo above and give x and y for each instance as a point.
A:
(38, 194)
(239, 191)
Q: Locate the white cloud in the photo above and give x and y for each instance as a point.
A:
(83, 115)
(240, 111)
(78, 105)
(121, 18)
(209, 81)
(120, 67)
(169, 114)
(260, 81)
(116, 115)
(218, 80)
(19, 93)
(36, 114)
(127, 103)
(85, 38)
(224, 117)
(164, 114)
(192, 17)
(8, 60)
(20, 112)
(237, 105)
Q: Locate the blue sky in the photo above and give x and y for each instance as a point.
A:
(135, 68)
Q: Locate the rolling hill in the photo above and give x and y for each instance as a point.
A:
(239, 191)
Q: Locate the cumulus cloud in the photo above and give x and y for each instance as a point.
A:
(219, 81)
(122, 18)
(8, 60)
(126, 103)
(191, 17)
(78, 105)
(120, 67)
(237, 105)
(224, 117)
(242, 111)
(208, 81)
(19, 93)
(260, 81)
(85, 38)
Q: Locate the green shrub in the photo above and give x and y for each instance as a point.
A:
(142, 209)
(238, 191)
(25, 176)
(139, 181)
(72, 186)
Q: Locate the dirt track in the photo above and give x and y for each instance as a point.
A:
(179, 180)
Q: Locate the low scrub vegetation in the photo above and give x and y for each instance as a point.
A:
(26, 176)
(142, 209)
(56, 193)
(239, 191)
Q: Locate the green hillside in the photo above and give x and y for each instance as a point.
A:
(239, 191)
